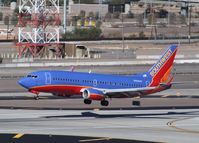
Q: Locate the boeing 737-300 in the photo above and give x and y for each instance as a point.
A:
(92, 86)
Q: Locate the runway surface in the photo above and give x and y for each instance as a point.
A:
(145, 125)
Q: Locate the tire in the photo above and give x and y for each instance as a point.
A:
(36, 97)
(136, 103)
(87, 101)
(104, 103)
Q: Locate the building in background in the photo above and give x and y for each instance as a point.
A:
(74, 9)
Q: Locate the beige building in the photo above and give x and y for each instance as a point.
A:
(74, 9)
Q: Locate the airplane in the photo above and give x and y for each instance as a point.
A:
(93, 86)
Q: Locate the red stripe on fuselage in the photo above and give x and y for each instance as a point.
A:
(68, 89)
(75, 90)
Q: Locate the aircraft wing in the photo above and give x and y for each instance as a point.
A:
(125, 92)
(105, 91)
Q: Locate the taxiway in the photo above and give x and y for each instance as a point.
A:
(146, 125)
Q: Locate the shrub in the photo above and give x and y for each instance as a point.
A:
(141, 35)
(83, 34)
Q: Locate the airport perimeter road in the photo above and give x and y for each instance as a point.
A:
(149, 125)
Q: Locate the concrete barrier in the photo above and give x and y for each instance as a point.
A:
(155, 57)
(188, 61)
(22, 60)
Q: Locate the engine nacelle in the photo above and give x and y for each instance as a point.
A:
(93, 94)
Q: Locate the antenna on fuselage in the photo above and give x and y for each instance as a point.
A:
(72, 69)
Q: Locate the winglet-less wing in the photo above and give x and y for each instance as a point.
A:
(107, 91)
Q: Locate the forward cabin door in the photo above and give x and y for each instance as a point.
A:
(48, 78)
(147, 83)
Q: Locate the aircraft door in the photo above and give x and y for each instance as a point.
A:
(147, 83)
(48, 78)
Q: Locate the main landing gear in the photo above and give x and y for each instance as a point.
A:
(87, 101)
(36, 97)
(104, 103)
(136, 103)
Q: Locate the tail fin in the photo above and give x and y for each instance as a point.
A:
(160, 71)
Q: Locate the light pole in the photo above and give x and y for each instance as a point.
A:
(65, 16)
(190, 10)
(145, 7)
(122, 19)
(8, 25)
(79, 5)
(169, 12)
(100, 2)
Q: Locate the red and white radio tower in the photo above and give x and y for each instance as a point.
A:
(38, 28)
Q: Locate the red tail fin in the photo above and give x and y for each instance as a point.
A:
(160, 71)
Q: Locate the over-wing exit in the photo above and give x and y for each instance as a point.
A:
(92, 86)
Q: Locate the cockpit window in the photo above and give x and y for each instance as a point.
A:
(33, 76)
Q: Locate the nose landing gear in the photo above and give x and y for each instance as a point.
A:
(36, 97)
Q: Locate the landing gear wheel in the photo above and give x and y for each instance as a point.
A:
(104, 103)
(36, 97)
(87, 101)
(136, 103)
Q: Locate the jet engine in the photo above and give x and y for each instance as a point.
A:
(93, 94)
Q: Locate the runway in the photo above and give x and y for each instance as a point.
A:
(145, 125)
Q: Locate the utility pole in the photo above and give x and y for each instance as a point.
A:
(79, 5)
(99, 10)
(65, 16)
(145, 7)
(122, 33)
(190, 11)
(169, 12)
(8, 26)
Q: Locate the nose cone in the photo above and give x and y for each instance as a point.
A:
(23, 82)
